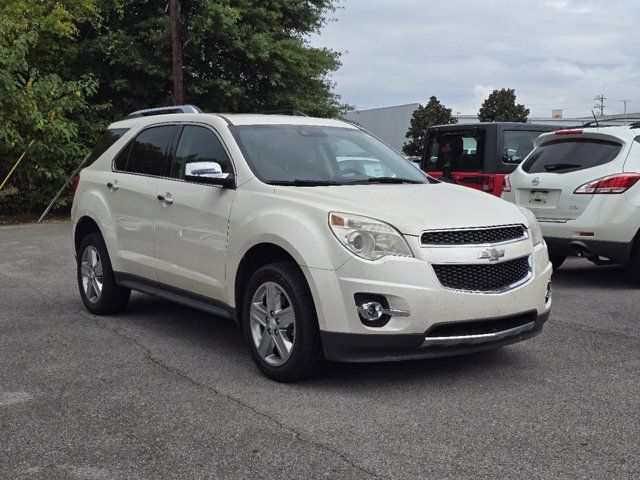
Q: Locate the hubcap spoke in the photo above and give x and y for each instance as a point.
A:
(265, 347)
(258, 313)
(285, 317)
(283, 346)
(97, 269)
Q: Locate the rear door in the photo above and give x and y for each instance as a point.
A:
(133, 197)
(191, 230)
(559, 166)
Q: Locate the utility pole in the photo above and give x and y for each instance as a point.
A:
(625, 109)
(176, 52)
(600, 98)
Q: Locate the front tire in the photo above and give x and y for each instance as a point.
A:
(280, 324)
(96, 281)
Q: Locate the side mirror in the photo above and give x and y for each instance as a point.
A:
(209, 173)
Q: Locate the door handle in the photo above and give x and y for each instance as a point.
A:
(113, 186)
(166, 199)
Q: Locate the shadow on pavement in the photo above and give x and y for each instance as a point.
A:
(584, 274)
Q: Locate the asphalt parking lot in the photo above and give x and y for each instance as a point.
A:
(163, 391)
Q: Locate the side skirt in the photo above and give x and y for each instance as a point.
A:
(177, 295)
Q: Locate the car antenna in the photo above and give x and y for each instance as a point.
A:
(595, 118)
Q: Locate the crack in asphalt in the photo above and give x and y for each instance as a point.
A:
(182, 375)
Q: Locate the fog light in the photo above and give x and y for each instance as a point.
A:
(547, 297)
(371, 311)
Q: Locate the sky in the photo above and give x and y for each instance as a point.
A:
(556, 54)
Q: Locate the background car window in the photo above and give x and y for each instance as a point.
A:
(199, 145)
(459, 151)
(517, 144)
(149, 152)
(563, 156)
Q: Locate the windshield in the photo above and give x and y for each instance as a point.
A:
(517, 144)
(308, 155)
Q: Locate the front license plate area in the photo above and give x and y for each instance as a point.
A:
(538, 197)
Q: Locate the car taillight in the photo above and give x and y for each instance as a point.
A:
(488, 183)
(609, 185)
(506, 185)
(76, 181)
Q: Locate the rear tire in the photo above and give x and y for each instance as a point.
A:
(96, 281)
(557, 260)
(280, 325)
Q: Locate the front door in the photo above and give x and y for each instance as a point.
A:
(192, 219)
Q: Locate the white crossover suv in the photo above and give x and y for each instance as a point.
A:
(318, 239)
(583, 185)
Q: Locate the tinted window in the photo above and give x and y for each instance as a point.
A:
(517, 144)
(199, 148)
(109, 138)
(149, 152)
(569, 155)
(334, 155)
(458, 151)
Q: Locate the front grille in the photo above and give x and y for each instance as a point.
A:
(483, 278)
(473, 237)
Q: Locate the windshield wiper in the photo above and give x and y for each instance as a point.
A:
(387, 180)
(552, 167)
(304, 183)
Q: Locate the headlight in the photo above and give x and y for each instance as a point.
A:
(368, 238)
(534, 226)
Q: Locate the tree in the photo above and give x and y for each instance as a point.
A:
(238, 55)
(500, 106)
(433, 113)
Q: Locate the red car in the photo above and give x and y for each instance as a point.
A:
(479, 155)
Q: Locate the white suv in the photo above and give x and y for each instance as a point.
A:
(583, 185)
(317, 238)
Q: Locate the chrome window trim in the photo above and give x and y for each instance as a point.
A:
(525, 236)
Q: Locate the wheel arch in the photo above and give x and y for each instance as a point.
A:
(84, 226)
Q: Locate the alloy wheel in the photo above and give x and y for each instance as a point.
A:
(91, 273)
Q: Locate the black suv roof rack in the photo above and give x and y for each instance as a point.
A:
(165, 110)
(293, 113)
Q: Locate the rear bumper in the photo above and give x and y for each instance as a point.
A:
(465, 337)
(618, 252)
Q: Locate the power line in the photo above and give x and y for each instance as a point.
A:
(600, 98)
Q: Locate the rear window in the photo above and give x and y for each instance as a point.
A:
(517, 144)
(148, 153)
(109, 138)
(570, 155)
(459, 150)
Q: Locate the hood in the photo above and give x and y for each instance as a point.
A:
(412, 208)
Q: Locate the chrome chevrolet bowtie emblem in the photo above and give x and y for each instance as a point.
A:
(535, 181)
(491, 254)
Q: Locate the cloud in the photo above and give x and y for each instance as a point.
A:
(555, 53)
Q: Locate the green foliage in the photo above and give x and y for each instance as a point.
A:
(238, 55)
(69, 67)
(433, 113)
(39, 108)
(500, 106)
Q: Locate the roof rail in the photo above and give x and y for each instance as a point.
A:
(165, 111)
(293, 113)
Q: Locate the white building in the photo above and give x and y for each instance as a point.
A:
(391, 123)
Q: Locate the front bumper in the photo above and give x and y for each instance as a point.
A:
(466, 337)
